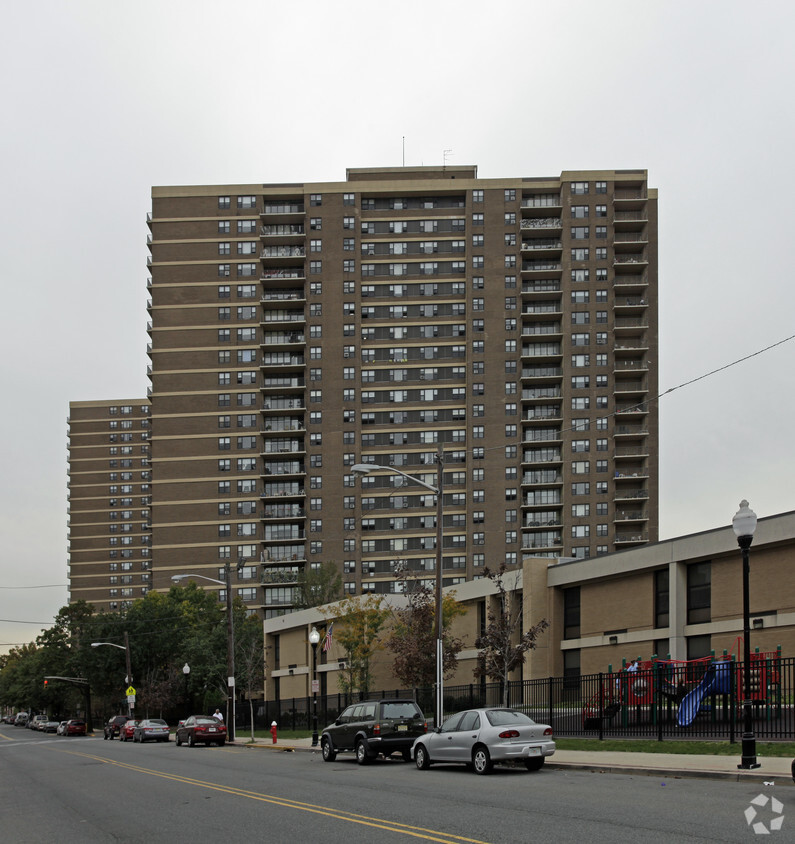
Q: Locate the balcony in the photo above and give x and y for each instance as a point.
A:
(283, 403)
(546, 285)
(279, 574)
(283, 511)
(282, 296)
(283, 231)
(274, 210)
(282, 490)
(541, 266)
(278, 338)
(283, 252)
(542, 246)
(277, 273)
(631, 538)
(541, 223)
(282, 316)
(542, 350)
(629, 262)
(532, 203)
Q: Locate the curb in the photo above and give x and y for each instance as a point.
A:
(667, 773)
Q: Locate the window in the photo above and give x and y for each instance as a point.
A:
(510, 195)
(315, 199)
(315, 224)
(349, 265)
(348, 199)
(699, 592)
(580, 232)
(349, 222)
(247, 202)
(601, 187)
(246, 226)
(246, 291)
(601, 232)
(315, 267)
(224, 291)
(246, 269)
(579, 212)
(224, 202)
(580, 254)
(661, 598)
(477, 196)
(316, 245)
(579, 188)
(224, 313)
(571, 614)
(580, 276)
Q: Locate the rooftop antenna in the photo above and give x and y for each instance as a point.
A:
(445, 155)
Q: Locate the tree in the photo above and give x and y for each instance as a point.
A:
(357, 623)
(503, 645)
(250, 660)
(413, 638)
(318, 586)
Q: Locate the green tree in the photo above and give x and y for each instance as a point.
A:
(413, 637)
(250, 661)
(318, 586)
(503, 645)
(357, 620)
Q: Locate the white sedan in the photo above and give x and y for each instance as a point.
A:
(480, 737)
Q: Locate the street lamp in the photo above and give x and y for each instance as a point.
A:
(744, 525)
(230, 639)
(438, 491)
(186, 674)
(126, 648)
(314, 638)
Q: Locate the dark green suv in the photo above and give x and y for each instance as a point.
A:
(373, 727)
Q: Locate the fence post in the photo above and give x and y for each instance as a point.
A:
(601, 707)
(549, 701)
(659, 699)
(732, 699)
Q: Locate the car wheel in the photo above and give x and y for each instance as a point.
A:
(177, 740)
(534, 764)
(421, 758)
(329, 754)
(481, 759)
(362, 757)
(191, 740)
(104, 736)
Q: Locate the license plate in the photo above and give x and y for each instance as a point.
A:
(212, 730)
(533, 751)
(402, 728)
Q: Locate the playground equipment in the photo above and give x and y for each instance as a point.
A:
(642, 685)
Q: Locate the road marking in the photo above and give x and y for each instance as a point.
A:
(338, 814)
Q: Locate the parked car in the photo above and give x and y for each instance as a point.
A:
(114, 725)
(50, 726)
(151, 729)
(127, 729)
(36, 722)
(61, 731)
(200, 729)
(21, 719)
(75, 727)
(373, 727)
(481, 737)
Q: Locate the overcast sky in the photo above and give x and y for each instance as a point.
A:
(105, 99)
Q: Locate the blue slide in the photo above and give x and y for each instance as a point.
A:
(716, 681)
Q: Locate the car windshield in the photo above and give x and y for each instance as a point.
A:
(506, 717)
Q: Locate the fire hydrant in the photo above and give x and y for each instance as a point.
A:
(273, 731)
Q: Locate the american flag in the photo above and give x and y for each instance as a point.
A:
(327, 640)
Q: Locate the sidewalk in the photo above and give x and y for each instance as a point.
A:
(772, 769)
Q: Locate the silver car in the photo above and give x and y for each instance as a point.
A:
(480, 737)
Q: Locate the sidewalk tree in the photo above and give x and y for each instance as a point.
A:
(358, 620)
(413, 636)
(503, 644)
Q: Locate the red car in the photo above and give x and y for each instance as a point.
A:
(201, 729)
(127, 730)
(75, 727)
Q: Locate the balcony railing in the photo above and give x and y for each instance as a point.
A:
(283, 252)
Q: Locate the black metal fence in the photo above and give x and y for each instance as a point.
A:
(666, 700)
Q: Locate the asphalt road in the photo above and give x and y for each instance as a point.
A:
(89, 790)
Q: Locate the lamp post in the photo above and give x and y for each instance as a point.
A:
(314, 638)
(744, 525)
(438, 491)
(186, 674)
(230, 640)
(126, 648)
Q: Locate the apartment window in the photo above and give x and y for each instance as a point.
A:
(579, 212)
(315, 199)
(580, 276)
(224, 313)
(510, 240)
(661, 598)
(315, 245)
(581, 488)
(348, 199)
(224, 443)
(246, 291)
(579, 188)
(580, 232)
(224, 291)
(246, 226)
(477, 196)
(224, 201)
(601, 187)
(601, 210)
(224, 399)
(349, 265)
(247, 202)
(315, 267)
(580, 254)
(699, 592)
(510, 281)
(315, 224)
(601, 253)
(224, 421)
(510, 195)
(246, 269)
(600, 232)
(349, 222)
(571, 613)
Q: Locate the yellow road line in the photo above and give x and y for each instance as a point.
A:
(338, 814)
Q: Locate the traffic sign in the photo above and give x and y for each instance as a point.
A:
(130, 691)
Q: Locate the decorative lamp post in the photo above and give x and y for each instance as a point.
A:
(314, 638)
(438, 491)
(744, 525)
(126, 648)
(186, 674)
(230, 640)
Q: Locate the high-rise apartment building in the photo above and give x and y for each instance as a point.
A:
(298, 329)
(109, 496)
